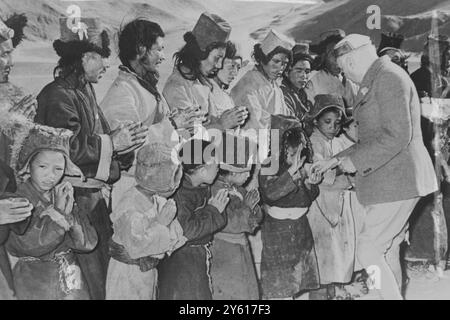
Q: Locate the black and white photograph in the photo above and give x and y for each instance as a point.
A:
(237, 151)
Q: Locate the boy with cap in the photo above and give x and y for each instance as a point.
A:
(145, 227)
(393, 168)
(189, 88)
(232, 269)
(47, 267)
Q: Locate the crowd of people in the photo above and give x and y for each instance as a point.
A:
(167, 194)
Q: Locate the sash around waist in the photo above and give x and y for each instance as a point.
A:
(286, 213)
(236, 238)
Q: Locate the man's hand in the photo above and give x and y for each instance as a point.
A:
(347, 166)
(128, 137)
(187, 119)
(220, 200)
(14, 210)
(26, 106)
(322, 166)
(233, 118)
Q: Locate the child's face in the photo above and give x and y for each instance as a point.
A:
(208, 173)
(47, 169)
(329, 124)
(291, 154)
(238, 178)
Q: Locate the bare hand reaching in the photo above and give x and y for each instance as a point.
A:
(252, 198)
(26, 106)
(128, 137)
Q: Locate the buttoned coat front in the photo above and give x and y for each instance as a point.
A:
(390, 157)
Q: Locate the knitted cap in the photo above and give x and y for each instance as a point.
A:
(155, 170)
(326, 101)
(211, 28)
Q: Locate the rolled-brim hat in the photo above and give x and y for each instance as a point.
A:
(87, 35)
(12, 29)
(326, 101)
(155, 169)
(275, 39)
(210, 28)
(236, 153)
(41, 138)
(350, 43)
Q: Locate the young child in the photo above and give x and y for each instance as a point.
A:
(145, 227)
(47, 267)
(185, 275)
(288, 264)
(331, 217)
(232, 268)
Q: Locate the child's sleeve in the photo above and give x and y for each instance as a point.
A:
(143, 236)
(42, 236)
(276, 187)
(198, 222)
(82, 233)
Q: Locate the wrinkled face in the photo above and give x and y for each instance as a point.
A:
(329, 123)
(6, 62)
(331, 62)
(213, 63)
(229, 71)
(299, 74)
(152, 59)
(238, 178)
(275, 67)
(94, 66)
(47, 169)
(208, 173)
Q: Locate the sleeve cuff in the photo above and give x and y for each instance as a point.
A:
(106, 154)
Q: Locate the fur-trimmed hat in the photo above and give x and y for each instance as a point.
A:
(40, 138)
(328, 37)
(87, 36)
(210, 28)
(237, 153)
(12, 28)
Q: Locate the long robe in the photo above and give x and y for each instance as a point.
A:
(185, 275)
(136, 228)
(47, 269)
(232, 269)
(65, 103)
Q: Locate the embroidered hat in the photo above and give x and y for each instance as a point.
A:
(275, 39)
(236, 153)
(40, 138)
(326, 101)
(210, 28)
(351, 43)
(87, 35)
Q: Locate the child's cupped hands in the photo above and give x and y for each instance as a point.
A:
(220, 200)
(252, 198)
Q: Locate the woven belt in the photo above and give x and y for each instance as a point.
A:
(119, 253)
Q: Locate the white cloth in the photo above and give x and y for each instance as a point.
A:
(136, 228)
(286, 213)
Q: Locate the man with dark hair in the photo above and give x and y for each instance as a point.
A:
(328, 79)
(70, 102)
(189, 86)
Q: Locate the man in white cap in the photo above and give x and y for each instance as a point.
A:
(393, 168)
